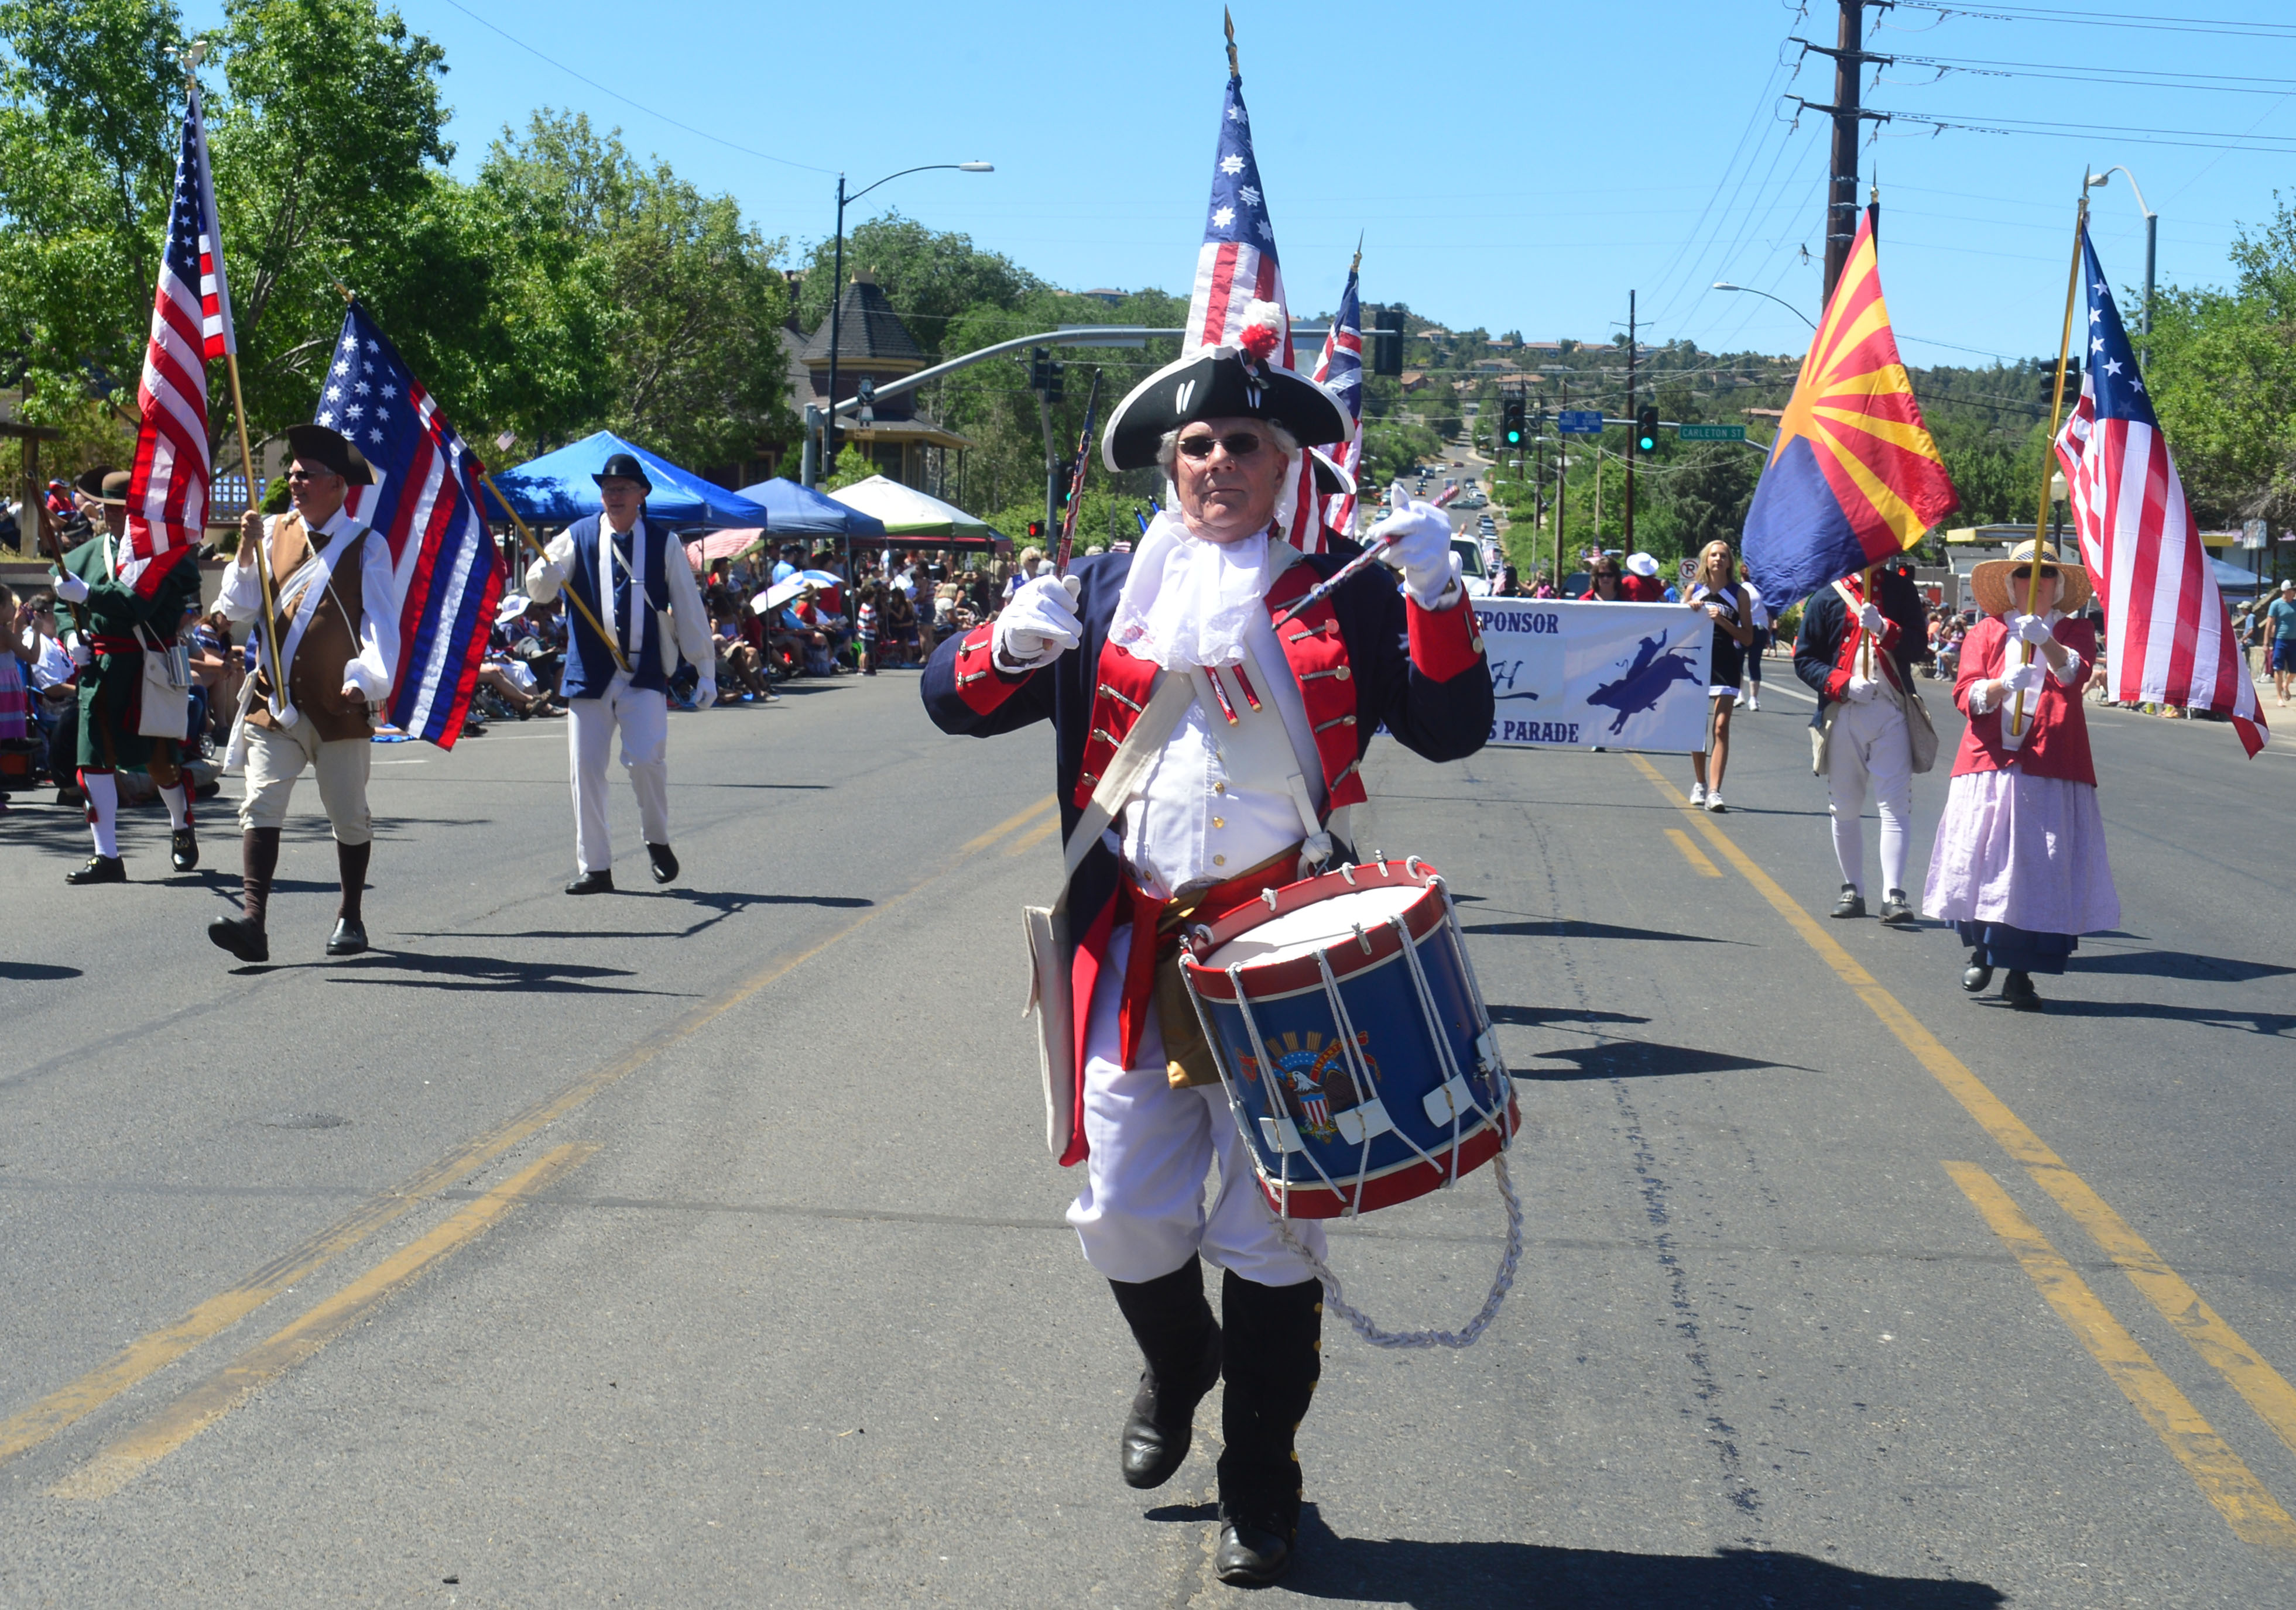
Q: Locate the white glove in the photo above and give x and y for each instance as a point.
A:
(1872, 619)
(705, 692)
(71, 589)
(1418, 538)
(1039, 626)
(80, 656)
(1863, 689)
(2025, 679)
(2034, 630)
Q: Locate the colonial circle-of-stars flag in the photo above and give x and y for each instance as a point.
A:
(1854, 477)
(425, 504)
(2168, 637)
(190, 322)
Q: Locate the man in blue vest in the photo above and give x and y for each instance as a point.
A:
(637, 585)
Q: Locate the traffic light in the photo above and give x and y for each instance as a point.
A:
(1512, 431)
(1646, 431)
(1040, 368)
(1384, 327)
(1053, 389)
(1063, 478)
(1035, 531)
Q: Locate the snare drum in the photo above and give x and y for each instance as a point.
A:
(1358, 1058)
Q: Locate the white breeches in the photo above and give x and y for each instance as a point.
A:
(276, 759)
(642, 718)
(1869, 742)
(1141, 1212)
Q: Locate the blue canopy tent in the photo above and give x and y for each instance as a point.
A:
(561, 487)
(795, 510)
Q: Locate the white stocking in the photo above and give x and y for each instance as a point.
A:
(102, 791)
(178, 801)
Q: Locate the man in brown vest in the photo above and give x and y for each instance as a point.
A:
(337, 612)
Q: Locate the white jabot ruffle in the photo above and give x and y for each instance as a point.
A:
(1189, 600)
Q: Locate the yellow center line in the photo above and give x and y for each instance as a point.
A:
(2223, 1479)
(1034, 837)
(2264, 1388)
(131, 1454)
(1691, 854)
(156, 1350)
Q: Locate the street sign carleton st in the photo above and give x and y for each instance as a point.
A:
(1580, 421)
(1713, 433)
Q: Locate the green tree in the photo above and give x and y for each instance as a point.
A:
(933, 278)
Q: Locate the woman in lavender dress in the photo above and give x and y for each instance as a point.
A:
(2019, 866)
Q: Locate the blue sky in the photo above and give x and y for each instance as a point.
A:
(1508, 165)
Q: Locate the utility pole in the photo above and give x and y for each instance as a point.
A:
(1850, 58)
(1561, 491)
(1630, 414)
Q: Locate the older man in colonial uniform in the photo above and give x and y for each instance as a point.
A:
(1249, 788)
(336, 613)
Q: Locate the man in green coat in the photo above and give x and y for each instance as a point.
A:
(117, 611)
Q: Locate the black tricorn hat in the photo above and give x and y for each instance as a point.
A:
(624, 467)
(106, 485)
(1331, 478)
(1220, 383)
(331, 448)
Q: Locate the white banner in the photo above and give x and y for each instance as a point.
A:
(1585, 676)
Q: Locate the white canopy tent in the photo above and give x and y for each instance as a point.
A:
(907, 512)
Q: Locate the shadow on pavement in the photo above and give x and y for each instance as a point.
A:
(1539, 1017)
(484, 973)
(1638, 1060)
(1473, 1576)
(35, 972)
(2277, 1023)
(1572, 927)
(2175, 964)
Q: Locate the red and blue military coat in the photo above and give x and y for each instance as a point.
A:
(1364, 657)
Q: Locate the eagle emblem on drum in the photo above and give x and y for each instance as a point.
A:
(1313, 1082)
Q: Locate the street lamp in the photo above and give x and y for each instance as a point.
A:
(2151, 240)
(1781, 301)
(837, 291)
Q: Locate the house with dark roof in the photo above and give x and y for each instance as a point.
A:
(907, 444)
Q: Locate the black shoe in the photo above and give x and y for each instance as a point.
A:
(1977, 974)
(2017, 989)
(591, 883)
(349, 939)
(1162, 1427)
(241, 937)
(1851, 904)
(1898, 911)
(100, 869)
(665, 865)
(1248, 1556)
(183, 849)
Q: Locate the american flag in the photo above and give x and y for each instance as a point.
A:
(1340, 367)
(190, 322)
(2168, 637)
(425, 504)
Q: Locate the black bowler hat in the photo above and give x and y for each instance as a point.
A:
(1220, 383)
(624, 467)
(331, 449)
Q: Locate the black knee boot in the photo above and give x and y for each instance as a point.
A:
(1272, 1355)
(1181, 1341)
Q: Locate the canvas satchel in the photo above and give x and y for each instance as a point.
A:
(1921, 733)
(1050, 996)
(166, 711)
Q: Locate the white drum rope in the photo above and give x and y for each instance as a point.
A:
(1500, 1283)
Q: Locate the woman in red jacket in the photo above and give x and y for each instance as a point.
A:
(2019, 866)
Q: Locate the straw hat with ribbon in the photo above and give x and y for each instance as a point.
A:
(1999, 593)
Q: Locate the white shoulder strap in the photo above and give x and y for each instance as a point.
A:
(1141, 745)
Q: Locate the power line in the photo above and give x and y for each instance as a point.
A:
(2220, 26)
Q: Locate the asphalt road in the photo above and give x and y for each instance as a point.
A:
(697, 1246)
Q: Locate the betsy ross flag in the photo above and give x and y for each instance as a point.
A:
(1854, 478)
(425, 504)
(190, 322)
(2168, 637)
(1237, 267)
(1340, 367)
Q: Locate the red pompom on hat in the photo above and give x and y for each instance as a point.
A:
(1262, 330)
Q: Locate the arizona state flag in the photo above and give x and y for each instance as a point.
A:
(1854, 477)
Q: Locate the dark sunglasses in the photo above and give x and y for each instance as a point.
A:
(2024, 572)
(302, 475)
(1242, 445)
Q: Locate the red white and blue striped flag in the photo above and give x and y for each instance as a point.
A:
(190, 322)
(425, 504)
(1236, 267)
(1340, 367)
(2169, 639)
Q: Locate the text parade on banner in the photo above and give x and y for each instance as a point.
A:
(1590, 675)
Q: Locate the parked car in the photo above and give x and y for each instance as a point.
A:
(1472, 575)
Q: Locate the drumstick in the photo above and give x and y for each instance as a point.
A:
(1318, 594)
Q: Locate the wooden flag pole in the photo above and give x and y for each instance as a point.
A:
(262, 560)
(2049, 456)
(1866, 638)
(1228, 18)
